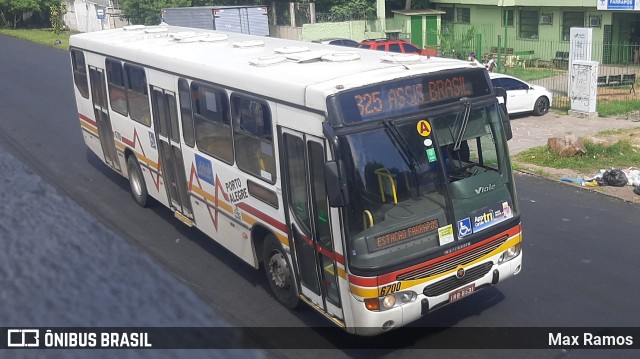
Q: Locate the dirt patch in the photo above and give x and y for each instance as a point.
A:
(606, 138)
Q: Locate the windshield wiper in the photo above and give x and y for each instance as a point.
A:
(406, 149)
(407, 155)
(463, 126)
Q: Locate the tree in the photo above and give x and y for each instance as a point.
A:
(354, 9)
(57, 11)
(457, 45)
(147, 12)
(12, 11)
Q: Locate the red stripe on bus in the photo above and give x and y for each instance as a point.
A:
(131, 143)
(87, 119)
(333, 255)
(392, 277)
(363, 281)
(270, 220)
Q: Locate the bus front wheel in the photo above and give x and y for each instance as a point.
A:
(278, 270)
(136, 181)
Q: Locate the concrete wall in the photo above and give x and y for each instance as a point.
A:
(285, 32)
(355, 30)
(82, 16)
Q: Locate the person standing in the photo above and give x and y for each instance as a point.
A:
(472, 58)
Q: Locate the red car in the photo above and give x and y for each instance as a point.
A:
(401, 46)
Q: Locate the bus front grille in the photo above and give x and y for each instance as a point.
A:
(450, 283)
(454, 262)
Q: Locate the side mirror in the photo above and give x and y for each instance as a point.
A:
(501, 92)
(337, 191)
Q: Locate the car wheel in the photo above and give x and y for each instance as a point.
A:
(541, 107)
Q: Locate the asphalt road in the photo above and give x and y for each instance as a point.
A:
(580, 248)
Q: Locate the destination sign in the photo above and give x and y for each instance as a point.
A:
(406, 233)
(411, 94)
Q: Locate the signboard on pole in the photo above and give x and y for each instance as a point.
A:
(618, 5)
(101, 12)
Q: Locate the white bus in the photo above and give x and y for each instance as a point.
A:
(373, 187)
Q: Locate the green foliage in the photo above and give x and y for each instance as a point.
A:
(57, 11)
(41, 36)
(147, 12)
(11, 11)
(457, 46)
(619, 155)
(354, 9)
(531, 74)
(613, 108)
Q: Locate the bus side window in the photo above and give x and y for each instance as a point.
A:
(80, 72)
(186, 113)
(137, 94)
(211, 121)
(117, 91)
(253, 137)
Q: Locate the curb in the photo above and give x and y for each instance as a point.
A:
(530, 172)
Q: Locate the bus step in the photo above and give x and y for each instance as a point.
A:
(184, 219)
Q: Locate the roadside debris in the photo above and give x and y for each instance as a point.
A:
(613, 177)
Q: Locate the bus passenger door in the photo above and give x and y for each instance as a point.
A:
(103, 121)
(309, 221)
(165, 122)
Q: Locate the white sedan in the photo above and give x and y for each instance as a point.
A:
(521, 96)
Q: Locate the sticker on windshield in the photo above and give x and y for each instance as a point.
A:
(489, 216)
(424, 128)
(464, 227)
(431, 155)
(445, 234)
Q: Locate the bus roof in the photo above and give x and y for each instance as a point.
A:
(302, 73)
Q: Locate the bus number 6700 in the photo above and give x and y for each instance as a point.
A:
(391, 288)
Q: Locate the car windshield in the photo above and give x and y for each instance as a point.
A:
(419, 184)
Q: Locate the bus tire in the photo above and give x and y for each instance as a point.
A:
(278, 271)
(136, 182)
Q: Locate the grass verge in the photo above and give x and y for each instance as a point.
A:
(613, 108)
(531, 74)
(621, 154)
(41, 36)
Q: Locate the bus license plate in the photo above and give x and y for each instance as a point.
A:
(462, 292)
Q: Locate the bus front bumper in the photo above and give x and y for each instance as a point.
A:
(369, 323)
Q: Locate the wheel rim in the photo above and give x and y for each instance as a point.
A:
(135, 182)
(542, 106)
(279, 270)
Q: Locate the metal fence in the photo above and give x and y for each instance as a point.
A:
(546, 63)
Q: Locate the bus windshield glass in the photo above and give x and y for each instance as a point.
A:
(417, 184)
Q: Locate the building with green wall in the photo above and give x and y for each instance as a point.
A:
(544, 27)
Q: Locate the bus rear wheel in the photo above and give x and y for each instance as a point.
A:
(278, 271)
(136, 181)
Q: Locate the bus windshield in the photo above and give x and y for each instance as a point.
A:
(417, 184)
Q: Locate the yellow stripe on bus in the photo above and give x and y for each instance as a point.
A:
(372, 292)
(89, 128)
(363, 292)
(507, 244)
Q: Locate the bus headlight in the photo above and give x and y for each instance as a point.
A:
(510, 253)
(390, 301)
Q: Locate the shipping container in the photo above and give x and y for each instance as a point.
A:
(243, 19)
